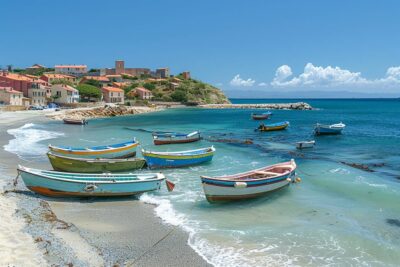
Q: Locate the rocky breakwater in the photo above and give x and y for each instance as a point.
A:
(100, 112)
(294, 106)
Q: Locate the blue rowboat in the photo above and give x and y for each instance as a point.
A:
(163, 138)
(322, 129)
(64, 184)
(178, 159)
(273, 126)
(122, 150)
(251, 184)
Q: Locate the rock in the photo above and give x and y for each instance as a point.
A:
(292, 106)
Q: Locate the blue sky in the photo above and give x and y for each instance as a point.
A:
(277, 48)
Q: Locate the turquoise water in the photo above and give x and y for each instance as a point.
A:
(337, 215)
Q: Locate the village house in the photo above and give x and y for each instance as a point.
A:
(64, 94)
(103, 80)
(39, 95)
(173, 86)
(115, 78)
(121, 84)
(162, 73)
(50, 77)
(9, 96)
(75, 70)
(20, 82)
(142, 93)
(113, 95)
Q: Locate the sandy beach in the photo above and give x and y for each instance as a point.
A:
(80, 232)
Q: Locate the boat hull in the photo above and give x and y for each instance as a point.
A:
(75, 122)
(66, 188)
(259, 117)
(175, 141)
(70, 164)
(327, 131)
(156, 161)
(228, 191)
(302, 145)
(115, 153)
(267, 128)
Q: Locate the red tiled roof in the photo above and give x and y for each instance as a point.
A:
(65, 87)
(19, 77)
(112, 89)
(142, 89)
(57, 76)
(10, 90)
(97, 78)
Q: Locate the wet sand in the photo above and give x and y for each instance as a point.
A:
(84, 232)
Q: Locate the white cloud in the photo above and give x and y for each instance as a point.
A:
(317, 76)
(237, 81)
(262, 84)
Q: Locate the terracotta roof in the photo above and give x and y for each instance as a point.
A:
(142, 89)
(113, 76)
(57, 76)
(10, 90)
(97, 78)
(121, 84)
(65, 87)
(19, 77)
(70, 66)
(112, 89)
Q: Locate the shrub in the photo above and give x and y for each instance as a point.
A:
(149, 86)
(88, 92)
(179, 96)
(93, 82)
(62, 81)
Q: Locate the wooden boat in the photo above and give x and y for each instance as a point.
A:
(262, 116)
(249, 184)
(273, 126)
(323, 129)
(75, 121)
(163, 138)
(178, 159)
(63, 184)
(305, 144)
(85, 165)
(122, 150)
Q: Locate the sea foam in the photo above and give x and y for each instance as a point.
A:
(26, 143)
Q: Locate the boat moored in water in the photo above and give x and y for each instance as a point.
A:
(121, 150)
(305, 144)
(163, 138)
(179, 158)
(75, 121)
(87, 165)
(323, 129)
(273, 126)
(262, 116)
(251, 184)
(63, 184)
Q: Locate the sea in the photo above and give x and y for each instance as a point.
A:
(338, 215)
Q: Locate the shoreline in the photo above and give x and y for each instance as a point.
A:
(97, 233)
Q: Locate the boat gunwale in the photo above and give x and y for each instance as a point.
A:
(181, 153)
(158, 177)
(230, 178)
(89, 150)
(97, 160)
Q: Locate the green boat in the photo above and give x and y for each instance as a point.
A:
(84, 165)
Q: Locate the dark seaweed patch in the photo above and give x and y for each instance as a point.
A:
(393, 222)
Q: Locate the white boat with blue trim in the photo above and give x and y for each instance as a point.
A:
(64, 184)
(323, 129)
(251, 184)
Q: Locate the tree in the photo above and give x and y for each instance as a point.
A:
(89, 92)
(179, 96)
(149, 86)
(93, 82)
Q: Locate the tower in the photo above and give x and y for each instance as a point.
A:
(119, 66)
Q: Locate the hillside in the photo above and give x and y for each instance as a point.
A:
(180, 90)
